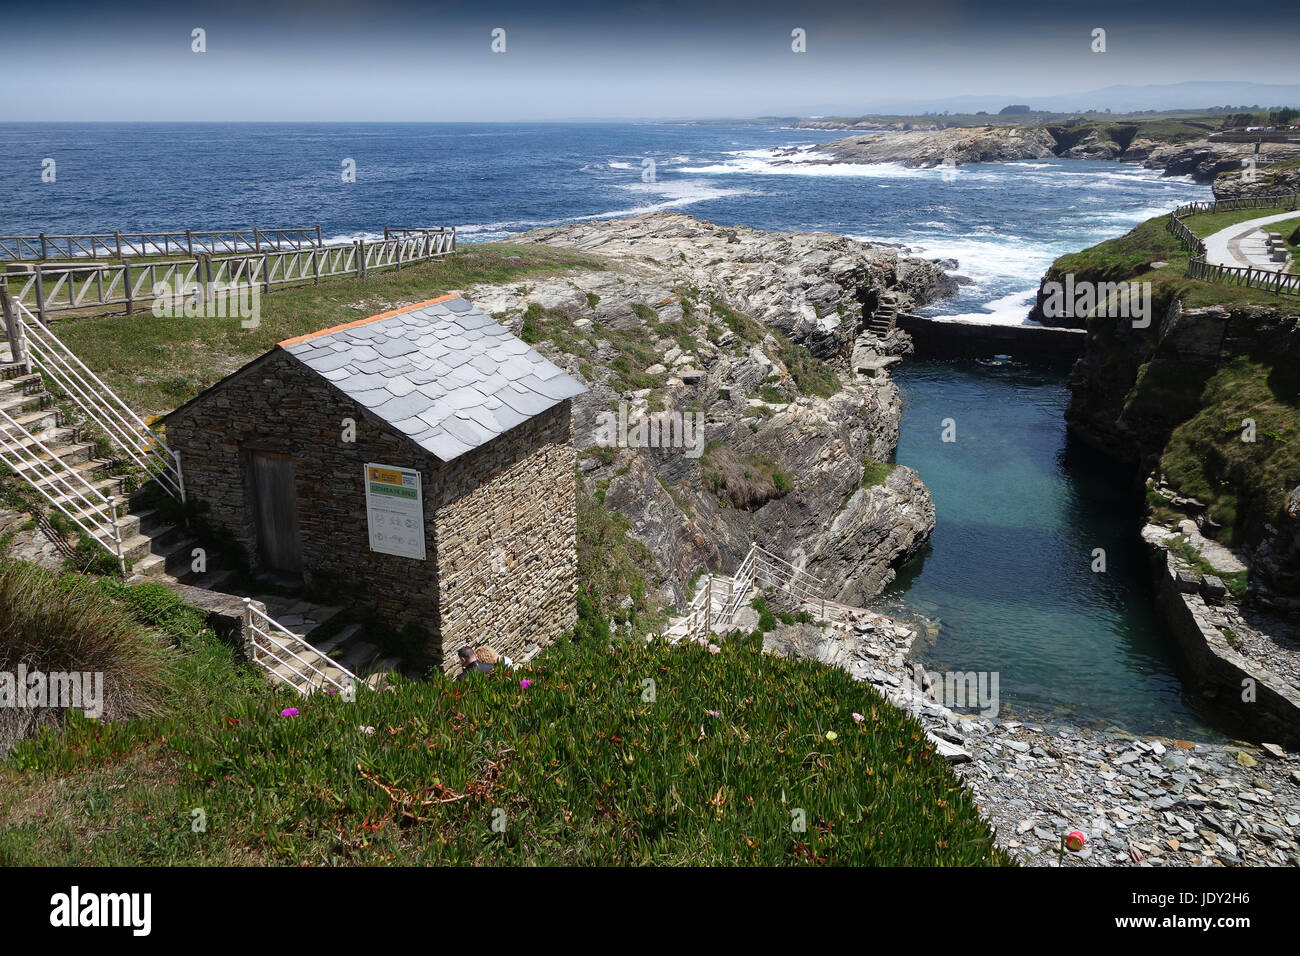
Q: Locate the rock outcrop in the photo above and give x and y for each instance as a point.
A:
(745, 335)
(954, 146)
(1201, 159)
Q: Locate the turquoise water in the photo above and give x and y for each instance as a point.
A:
(1008, 575)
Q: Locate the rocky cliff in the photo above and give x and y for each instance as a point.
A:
(1207, 403)
(1201, 159)
(736, 343)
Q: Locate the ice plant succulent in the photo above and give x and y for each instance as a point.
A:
(289, 712)
(525, 683)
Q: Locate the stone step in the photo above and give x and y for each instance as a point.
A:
(16, 402)
(39, 420)
(358, 655)
(55, 440)
(176, 561)
(29, 383)
(69, 454)
(91, 471)
(332, 643)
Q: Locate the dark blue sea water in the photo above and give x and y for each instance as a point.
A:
(1007, 574)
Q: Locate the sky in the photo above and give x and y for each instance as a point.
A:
(387, 60)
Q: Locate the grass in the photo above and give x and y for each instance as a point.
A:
(1207, 223)
(1236, 582)
(745, 482)
(156, 363)
(1132, 256)
(73, 623)
(875, 472)
(810, 374)
(617, 753)
(1207, 458)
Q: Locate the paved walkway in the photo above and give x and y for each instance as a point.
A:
(1242, 244)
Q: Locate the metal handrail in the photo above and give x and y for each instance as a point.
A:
(102, 405)
(94, 501)
(251, 615)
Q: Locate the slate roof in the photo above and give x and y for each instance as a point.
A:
(442, 372)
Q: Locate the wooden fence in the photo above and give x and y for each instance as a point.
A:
(177, 242)
(48, 289)
(1279, 282)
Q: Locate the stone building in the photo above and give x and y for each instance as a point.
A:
(418, 465)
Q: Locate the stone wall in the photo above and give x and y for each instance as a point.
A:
(495, 497)
(1039, 345)
(507, 539)
(1216, 670)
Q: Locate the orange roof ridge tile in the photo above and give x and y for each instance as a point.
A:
(366, 321)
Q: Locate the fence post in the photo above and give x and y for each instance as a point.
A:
(189, 242)
(315, 265)
(12, 329)
(40, 294)
(266, 273)
(250, 646)
(126, 279)
(319, 242)
(708, 606)
(399, 254)
(117, 241)
(361, 256)
(117, 534)
(43, 246)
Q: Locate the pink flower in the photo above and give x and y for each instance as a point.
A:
(525, 683)
(714, 649)
(858, 717)
(714, 713)
(289, 712)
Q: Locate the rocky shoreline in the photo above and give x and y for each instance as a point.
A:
(1139, 801)
(1203, 160)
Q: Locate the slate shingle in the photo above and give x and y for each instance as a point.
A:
(445, 374)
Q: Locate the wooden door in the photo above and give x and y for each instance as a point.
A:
(276, 492)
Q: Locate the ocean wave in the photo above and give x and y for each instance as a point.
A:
(674, 193)
(773, 162)
(1011, 309)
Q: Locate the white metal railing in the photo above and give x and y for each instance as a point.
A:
(65, 488)
(133, 284)
(269, 646)
(48, 355)
(714, 606)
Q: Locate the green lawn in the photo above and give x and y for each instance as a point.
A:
(612, 754)
(1206, 224)
(1134, 257)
